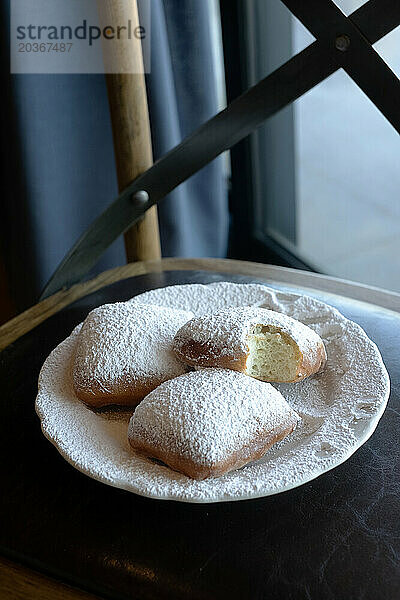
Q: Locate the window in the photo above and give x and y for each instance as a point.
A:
(323, 175)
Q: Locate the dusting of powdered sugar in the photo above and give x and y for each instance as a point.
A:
(339, 408)
(225, 332)
(125, 343)
(209, 415)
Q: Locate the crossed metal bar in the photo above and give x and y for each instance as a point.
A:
(341, 42)
(350, 39)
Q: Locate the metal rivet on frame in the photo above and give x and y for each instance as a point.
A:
(140, 197)
(342, 42)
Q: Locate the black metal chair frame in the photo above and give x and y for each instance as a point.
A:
(341, 42)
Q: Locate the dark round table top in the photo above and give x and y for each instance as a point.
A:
(337, 537)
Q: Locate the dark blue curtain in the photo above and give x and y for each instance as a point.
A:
(61, 165)
(182, 91)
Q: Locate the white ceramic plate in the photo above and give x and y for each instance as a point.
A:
(340, 408)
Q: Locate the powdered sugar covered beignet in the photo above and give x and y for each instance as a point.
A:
(208, 422)
(262, 343)
(124, 350)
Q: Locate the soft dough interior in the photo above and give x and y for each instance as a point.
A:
(273, 356)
